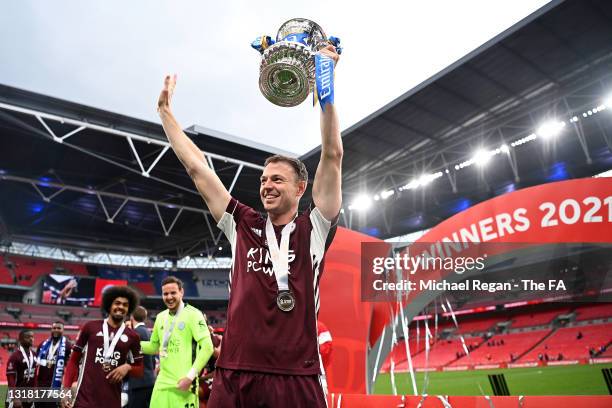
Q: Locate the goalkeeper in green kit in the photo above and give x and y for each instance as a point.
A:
(181, 337)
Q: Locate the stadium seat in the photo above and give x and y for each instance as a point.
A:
(565, 341)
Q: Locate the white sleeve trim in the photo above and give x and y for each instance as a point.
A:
(320, 228)
(227, 224)
(318, 238)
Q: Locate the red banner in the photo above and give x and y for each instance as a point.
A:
(102, 284)
(567, 211)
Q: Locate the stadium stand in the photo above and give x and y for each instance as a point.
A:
(536, 318)
(503, 348)
(42, 313)
(443, 352)
(571, 343)
(398, 353)
(216, 317)
(27, 271)
(478, 325)
(534, 331)
(594, 311)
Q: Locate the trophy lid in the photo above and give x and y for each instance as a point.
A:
(315, 34)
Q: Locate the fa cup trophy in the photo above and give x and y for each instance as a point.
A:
(288, 71)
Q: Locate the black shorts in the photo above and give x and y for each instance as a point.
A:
(245, 389)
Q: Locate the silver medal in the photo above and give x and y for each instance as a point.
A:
(285, 300)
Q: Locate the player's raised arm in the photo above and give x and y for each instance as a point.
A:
(205, 179)
(326, 188)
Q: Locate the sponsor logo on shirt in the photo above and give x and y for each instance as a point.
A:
(99, 359)
(258, 260)
(256, 231)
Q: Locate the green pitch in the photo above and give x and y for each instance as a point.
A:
(554, 380)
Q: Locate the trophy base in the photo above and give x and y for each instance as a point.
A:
(286, 74)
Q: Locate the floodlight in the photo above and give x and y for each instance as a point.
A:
(481, 157)
(361, 203)
(386, 194)
(550, 129)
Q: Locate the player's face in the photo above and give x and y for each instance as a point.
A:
(119, 308)
(57, 330)
(279, 189)
(26, 339)
(172, 296)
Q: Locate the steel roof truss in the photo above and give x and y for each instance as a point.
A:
(163, 224)
(46, 198)
(235, 178)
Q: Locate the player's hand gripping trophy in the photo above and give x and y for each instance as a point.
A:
(297, 63)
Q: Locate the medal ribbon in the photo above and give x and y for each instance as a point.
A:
(29, 362)
(109, 349)
(170, 328)
(280, 256)
(53, 349)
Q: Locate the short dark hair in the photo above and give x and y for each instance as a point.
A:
(140, 314)
(58, 322)
(300, 168)
(172, 279)
(112, 293)
(24, 331)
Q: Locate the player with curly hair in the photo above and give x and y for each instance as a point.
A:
(107, 351)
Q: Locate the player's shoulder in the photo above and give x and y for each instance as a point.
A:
(92, 325)
(242, 211)
(13, 361)
(15, 356)
(161, 316)
(193, 311)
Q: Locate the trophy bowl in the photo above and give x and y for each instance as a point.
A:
(287, 69)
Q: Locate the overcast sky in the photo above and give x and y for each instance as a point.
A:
(113, 54)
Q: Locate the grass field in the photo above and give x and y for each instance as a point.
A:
(554, 380)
